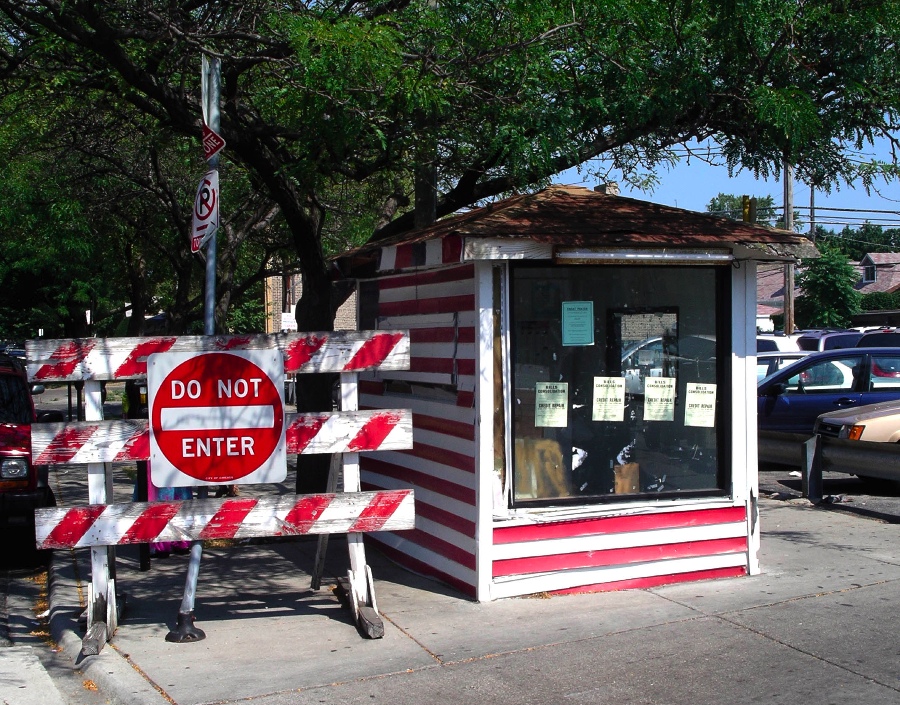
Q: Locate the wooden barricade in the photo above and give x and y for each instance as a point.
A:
(99, 444)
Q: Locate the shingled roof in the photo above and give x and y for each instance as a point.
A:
(572, 216)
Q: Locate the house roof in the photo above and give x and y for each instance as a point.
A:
(573, 216)
(887, 278)
(882, 258)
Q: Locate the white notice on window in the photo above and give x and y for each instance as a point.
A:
(551, 404)
(700, 405)
(609, 399)
(659, 399)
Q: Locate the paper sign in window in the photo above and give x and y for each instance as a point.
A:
(578, 323)
(659, 399)
(551, 404)
(700, 405)
(609, 399)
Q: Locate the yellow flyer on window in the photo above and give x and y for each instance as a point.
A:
(551, 404)
(609, 399)
(659, 399)
(700, 405)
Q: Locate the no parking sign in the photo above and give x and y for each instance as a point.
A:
(216, 418)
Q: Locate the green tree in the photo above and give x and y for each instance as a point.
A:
(829, 297)
(445, 104)
(731, 206)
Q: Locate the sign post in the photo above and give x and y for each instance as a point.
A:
(211, 84)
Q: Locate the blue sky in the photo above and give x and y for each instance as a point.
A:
(692, 185)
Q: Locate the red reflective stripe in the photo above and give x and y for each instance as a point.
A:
(151, 522)
(136, 448)
(301, 431)
(68, 357)
(373, 351)
(380, 509)
(73, 526)
(136, 362)
(305, 513)
(372, 435)
(65, 444)
(228, 519)
(301, 351)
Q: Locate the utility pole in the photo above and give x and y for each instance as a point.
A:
(812, 213)
(789, 266)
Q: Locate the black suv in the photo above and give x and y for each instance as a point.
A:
(23, 486)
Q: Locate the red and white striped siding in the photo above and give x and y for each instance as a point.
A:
(612, 553)
(438, 308)
(635, 550)
(431, 253)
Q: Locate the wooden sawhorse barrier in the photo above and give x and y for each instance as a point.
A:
(98, 444)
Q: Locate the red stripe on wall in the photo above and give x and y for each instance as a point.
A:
(466, 335)
(447, 334)
(441, 547)
(431, 364)
(421, 480)
(618, 556)
(451, 249)
(404, 256)
(422, 568)
(460, 461)
(435, 514)
(656, 581)
(465, 366)
(412, 307)
(435, 276)
(619, 524)
(465, 399)
(458, 429)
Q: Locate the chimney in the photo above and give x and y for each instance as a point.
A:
(611, 188)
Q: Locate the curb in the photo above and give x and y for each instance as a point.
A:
(111, 672)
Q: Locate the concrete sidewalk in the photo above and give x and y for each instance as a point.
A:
(819, 624)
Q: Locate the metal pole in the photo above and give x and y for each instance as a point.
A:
(212, 81)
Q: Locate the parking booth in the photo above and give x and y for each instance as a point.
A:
(582, 382)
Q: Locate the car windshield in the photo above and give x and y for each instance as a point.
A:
(15, 400)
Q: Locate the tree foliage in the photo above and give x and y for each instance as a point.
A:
(325, 98)
(829, 297)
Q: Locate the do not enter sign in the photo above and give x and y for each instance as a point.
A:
(216, 418)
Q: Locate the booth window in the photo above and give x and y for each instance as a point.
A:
(621, 386)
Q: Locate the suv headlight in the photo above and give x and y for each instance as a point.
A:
(14, 469)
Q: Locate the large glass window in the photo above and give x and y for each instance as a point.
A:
(620, 381)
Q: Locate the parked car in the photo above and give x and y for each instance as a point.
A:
(650, 358)
(879, 338)
(792, 398)
(828, 339)
(768, 363)
(23, 486)
(774, 343)
(873, 422)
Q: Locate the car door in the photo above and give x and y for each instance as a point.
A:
(791, 402)
(883, 383)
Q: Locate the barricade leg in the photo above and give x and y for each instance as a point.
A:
(102, 608)
(359, 588)
(185, 630)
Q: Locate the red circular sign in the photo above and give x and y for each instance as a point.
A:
(217, 417)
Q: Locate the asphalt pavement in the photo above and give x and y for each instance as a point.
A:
(819, 624)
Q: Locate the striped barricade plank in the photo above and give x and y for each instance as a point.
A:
(106, 359)
(119, 441)
(201, 519)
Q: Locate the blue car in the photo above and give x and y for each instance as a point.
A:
(792, 398)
